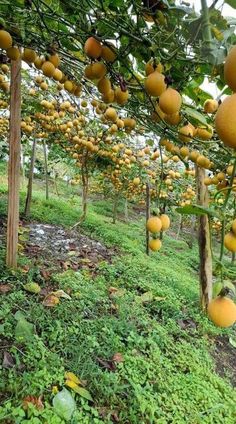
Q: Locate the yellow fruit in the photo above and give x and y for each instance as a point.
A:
(207, 181)
(158, 115)
(211, 106)
(93, 48)
(13, 53)
(155, 244)
(104, 85)
(173, 119)
(39, 61)
(54, 59)
(230, 69)
(109, 97)
(110, 114)
(204, 133)
(121, 97)
(99, 70)
(165, 222)
(222, 311)
(150, 67)
(170, 101)
(44, 86)
(29, 55)
(221, 176)
(57, 75)
(225, 121)
(108, 53)
(203, 161)
(233, 227)
(136, 181)
(155, 84)
(194, 155)
(186, 133)
(5, 39)
(230, 241)
(184, 151)
(120, 123)
(48, 69)
(88, 72)
(69, 86)
(154, 224)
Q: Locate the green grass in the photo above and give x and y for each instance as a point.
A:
(167, 376)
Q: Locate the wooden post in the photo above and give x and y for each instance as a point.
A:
(14, 165)
(147, 216)
(30, 180)
(204, 242)
(46, 169)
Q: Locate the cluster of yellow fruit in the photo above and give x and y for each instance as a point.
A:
(156, 224)
(97, 71)
(225, 117)
(216, 225)
(187, 197)
(184, 153)
(230, 238)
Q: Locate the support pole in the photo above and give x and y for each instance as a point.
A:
(147, 216)
(30, 180)
(14, 165)
(204, 242)
(46, 169)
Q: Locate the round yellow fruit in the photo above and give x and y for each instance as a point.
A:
(165, 222)
(170, 101)
(29, 55)
(154, 224)
(225, 121)
(230, 69)
(230, 241)
(121, 96)
(108, 53)
(5, 39)
(93, 48)
(48, 69)
(155, 244)
(211, 106)
(13, 53)
(222, 311)
(155, 84)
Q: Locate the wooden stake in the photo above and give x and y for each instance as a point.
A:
(30, 181)
(147, 216)
(204, 242)
(14, 165)
(46, 169)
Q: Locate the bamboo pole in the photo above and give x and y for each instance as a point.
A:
(14, 165)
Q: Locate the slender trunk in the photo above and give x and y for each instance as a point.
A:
(147, 216)
(115, 205)
(85, 187)
(46, 169)
(180, 227)
(126, 210)
(204, 242)
(56, 187)
(30, 180)
(233, 258)
(22, 167)
(14, 165)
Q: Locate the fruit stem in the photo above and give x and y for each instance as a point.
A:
(206, 22)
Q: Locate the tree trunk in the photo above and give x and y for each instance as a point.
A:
(147, 216)
(233, 258)
(204, 242)
(46, 169)
(115, 205)
(126, 210)
(22, 167)
(56, 187)
(14, 165)
(180, 227)
(30, 180)
(85, 188)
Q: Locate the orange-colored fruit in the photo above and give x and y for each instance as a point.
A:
(165, 222)
(186, 133)
(55, 60)
(99, 70)
(230, 241)
(104, 85)
(225, 121)
(222, 311)
(155, 84)
(230, 69)
(48, 69)
(13, 53)
(108, 53)
(57, 75)
(170, 101)
(121, 97)
(155, 244)
(93, 48)
(39, 61)
(29, 55)
(154, 224)
(211, 106)
(173, 119)
(5, 39)
(69, 86)
(111, 114)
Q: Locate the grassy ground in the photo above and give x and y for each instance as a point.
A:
(165, 373)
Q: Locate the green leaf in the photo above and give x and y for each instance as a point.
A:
(64, 404)
(232, 341)
(195, 210)
(231, 3)
(230, 285)
(217, 287)
(83, 392)
(193, 113)
(24, 330)
(145, 297)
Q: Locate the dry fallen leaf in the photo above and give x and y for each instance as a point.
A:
(50, 300)
(37, 402)
(118, 357)
(8, 361)
(5, 288)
